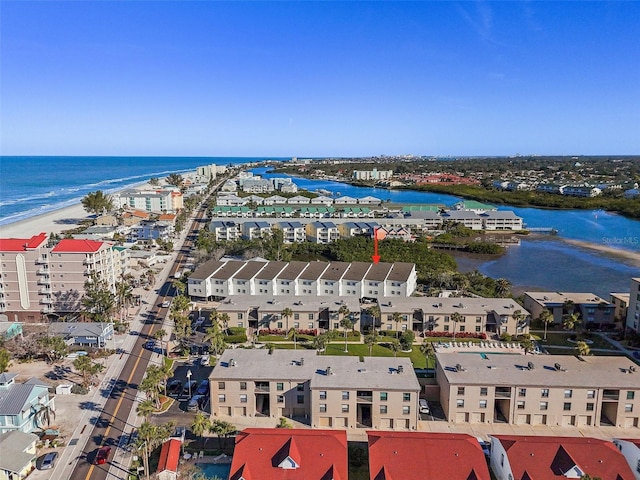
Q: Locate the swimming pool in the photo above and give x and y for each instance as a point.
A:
(216, 470)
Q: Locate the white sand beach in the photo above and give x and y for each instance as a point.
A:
(51, 222)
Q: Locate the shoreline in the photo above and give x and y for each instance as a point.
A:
(634, 257)
(55, 221)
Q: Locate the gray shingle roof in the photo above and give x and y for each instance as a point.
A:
(13, 445)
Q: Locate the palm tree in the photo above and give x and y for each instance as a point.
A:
(287, 313)
(293, 334)
(214, 336)
(426, 349)
(397, 318)
(455, 318)
(375, 312)
(546, 317)
(527, 345)
(149, 437)
(394, 346)
(200, 424)
(320, 342)
(166, 372)
(569, 321)
(347, 325)
(518, 318)
(179, 285)
(224, 319)
(503, 287)
(159, 335)
(124, 295)
(370, 340)
(220, 428)
(145, 409)
(582, 349)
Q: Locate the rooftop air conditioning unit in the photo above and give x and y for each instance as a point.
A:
(557, 366)
(530, 366)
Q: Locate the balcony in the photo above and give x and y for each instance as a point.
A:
(42, 260)
(44, 280)
(46, 300)
(502, 392)
(45, 290)
(47, 309)
(43, 271)
(262, 387)
(611, 395)
(364, 397)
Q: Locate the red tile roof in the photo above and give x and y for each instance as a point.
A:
(22, 244)
(71, 245)
(169, 455)
(422, 455)
(550, 457)
(285, 454)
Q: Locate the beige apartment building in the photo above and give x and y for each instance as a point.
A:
(594, 311)
(324, 391)
(37, 280)
(539, 390)
(633, 312)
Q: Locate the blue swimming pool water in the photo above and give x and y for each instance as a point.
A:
(213, 470)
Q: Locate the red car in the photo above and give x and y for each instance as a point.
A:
(101, 456)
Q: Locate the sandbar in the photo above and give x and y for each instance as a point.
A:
(633, 257)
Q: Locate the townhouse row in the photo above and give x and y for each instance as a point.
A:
(216, 279)
(418, 314)
(38, 279)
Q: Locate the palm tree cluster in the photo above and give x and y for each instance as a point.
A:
(201, 424)
(154, 382)
(182, 324)
(149, 437)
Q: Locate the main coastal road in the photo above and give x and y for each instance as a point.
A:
(111, 427)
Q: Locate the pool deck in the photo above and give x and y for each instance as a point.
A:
(479, 347)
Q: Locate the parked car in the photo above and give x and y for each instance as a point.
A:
(166, 304)
(203, 388)
(204, 360)
(187, 389)
(102, 455)
(150, 345)
(174, 387)
(424, 406)
(49, 461)
(485, 447)
(195, 403)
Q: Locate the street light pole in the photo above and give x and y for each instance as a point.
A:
(189, 381)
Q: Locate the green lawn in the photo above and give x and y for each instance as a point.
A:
(562, 339)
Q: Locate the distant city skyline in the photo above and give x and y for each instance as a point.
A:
(315, 79)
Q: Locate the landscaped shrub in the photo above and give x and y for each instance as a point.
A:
(481, 336)
(236, 335)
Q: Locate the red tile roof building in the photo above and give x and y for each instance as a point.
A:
(169, 459)
(285, 454)
(425, 456)
(546, 458)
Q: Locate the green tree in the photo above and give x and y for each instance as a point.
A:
(154, 181)
(175, 179)
(455, 318)
(214, 337)
(370, 340)
(284, 423)
(519, 319)
(5, 360)
(87, 368)
(179, 285)
(149, 437)
(347, 326)
(224, 319)
(145, 409)
(98, 300)
(394, 346)
(293, 334)
(582, 349)
(375, 312)
(159, 335)
(287, 313)
(426, 349)
(200, 424)
(320, 342)
(221, 429)
(55, 348)
(182, 324)
(97, 202)
(570, 321)
(397, 318)
(503, 287)
(546, 317)
(406, 340)
(527, 345)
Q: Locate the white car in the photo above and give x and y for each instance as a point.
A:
(166, 304)
(424, 406)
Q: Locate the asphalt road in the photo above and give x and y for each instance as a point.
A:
(111, 425)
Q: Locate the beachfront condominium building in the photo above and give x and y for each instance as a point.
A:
(555, 390)
(156, 201)
(328, 391)
(633, 313)
(214, 279)
(374, 174)
(592, 310)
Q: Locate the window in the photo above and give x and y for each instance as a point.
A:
(280, 399)
(628, 407)
(460, 390)
(483, 404)
(478, 319)
(310, 325)
(243, 398)
(323, 407)
(484, 391)
(296, 316)
(323, 394)
(544, 392)
(406, 410)
(383, 409)
(568, 393)
(311, 317)
(300, 398)
(345, 395)
(446, 328)
(590, 407)
(240, 316)
(345, 408)
(220, 385)
(478, 328)
(279, 324)
(522, 392)
(462, 328)
(300, 387)
(243, 385)
(280, 386)
(406, 397)
(591, 394)
(222, 398)
(383, 396)
(566, 406)
(520, 404)
(544, 405)
(631, 395)
(460, 403)
(296, 325)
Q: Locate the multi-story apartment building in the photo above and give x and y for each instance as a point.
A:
(633, 312)
(630, 450)
(539, 390)
(157, 201)
(331, 391)
(467, 218)
(374, 174)
(265, 312)
(225, 231)
(255, 230)
(356, 279)
(37, 280)
(593, 310)
(476, 315)
(292, 232)
(620, 303)
(501, 220)
(322, 232)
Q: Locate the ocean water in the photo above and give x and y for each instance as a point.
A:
(31, 186)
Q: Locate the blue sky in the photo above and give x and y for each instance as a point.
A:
(319, 78)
